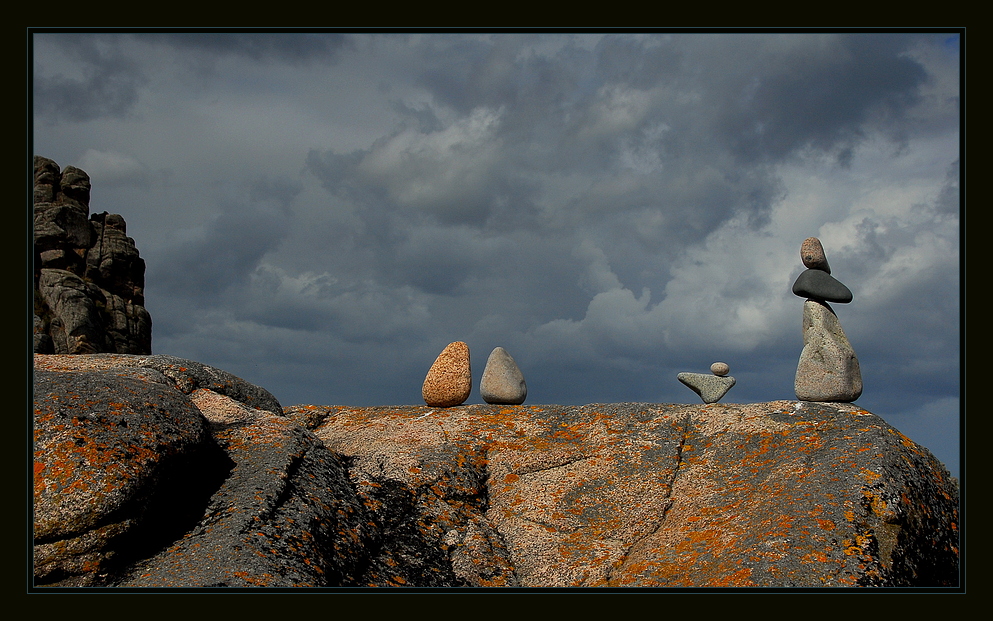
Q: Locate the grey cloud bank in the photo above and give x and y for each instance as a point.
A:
(322, 214)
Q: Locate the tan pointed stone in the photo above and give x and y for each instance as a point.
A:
(449, 380)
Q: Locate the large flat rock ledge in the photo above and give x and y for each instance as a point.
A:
(153, 471)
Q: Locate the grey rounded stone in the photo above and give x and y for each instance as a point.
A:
(502, 382)
(828, 369)
(710, 387)
(819, 285)
(720, 368)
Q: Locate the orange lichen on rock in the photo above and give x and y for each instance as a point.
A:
(724, 496)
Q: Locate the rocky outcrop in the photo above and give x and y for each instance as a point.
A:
(156, 471)
(89, 279)
(655, 495)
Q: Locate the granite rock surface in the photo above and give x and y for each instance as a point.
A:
(88, 277)
(812, 255)
(639, 494)
(155, 471)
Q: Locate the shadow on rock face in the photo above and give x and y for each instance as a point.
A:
(177, 506)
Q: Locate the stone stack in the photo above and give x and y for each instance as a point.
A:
(713, 387)
(828, 369)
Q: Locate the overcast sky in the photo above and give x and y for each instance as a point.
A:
(321, 214)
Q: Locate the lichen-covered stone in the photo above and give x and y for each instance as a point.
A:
(105, 446)
(153, 471)
(502, 380)
(449, 380)
(649, 495)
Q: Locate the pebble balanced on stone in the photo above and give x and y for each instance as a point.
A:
(449, 380)
(710, 387)
(828, 369)
(503, 382)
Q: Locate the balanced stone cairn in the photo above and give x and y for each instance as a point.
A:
(449, 380)
(710, 387)
(503, 382)
(828, 369)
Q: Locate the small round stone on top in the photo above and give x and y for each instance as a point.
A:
(812, 255)
(720, 369)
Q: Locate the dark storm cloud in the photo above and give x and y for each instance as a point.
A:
(108, 79)
(286, 47)
(108, 83)
(824, 102)
(948, 201)
(611, 209)
(646, 168)
(227, 251)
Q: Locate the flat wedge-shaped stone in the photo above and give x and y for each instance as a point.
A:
(502, 381)
(828, 369)
(819, 285)
(449, 380)
(710, 387)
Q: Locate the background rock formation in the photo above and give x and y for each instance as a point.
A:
(156, 471)
(89, 279)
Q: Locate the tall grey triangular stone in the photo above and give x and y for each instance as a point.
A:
(828, 369)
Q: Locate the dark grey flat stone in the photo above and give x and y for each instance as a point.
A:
(815, 284)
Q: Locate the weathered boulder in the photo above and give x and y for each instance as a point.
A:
(153, 471)
(89, 279)
(767, 494)
(157, 471)
(103, 445)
